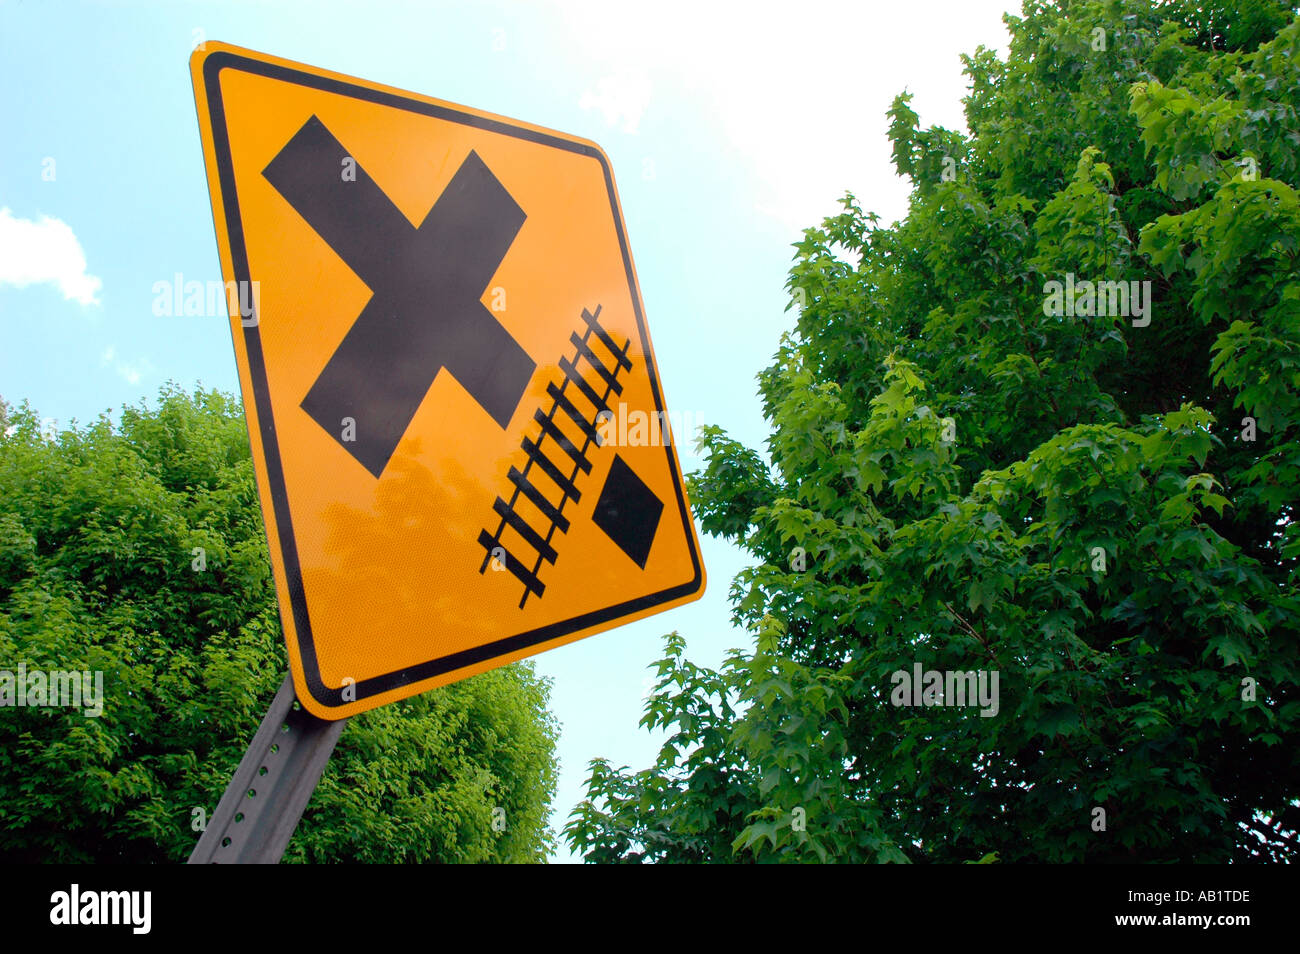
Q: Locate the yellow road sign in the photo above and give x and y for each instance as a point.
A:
(460, 436)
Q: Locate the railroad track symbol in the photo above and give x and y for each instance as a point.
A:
(590, 377)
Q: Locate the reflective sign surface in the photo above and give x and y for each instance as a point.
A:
(461, 442)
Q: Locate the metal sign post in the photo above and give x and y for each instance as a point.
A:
(261, 807)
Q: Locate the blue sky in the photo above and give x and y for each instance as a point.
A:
(730, 127)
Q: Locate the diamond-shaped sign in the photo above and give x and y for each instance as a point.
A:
(460, 437)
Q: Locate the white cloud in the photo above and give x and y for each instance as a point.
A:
(799, 96)
(621, 96)
(45, 251)
(129, 372)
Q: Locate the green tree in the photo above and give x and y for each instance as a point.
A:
(138, 550)
(1097, 506)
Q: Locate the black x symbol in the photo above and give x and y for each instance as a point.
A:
(424, 313)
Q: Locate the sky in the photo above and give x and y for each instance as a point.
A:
(730, 127)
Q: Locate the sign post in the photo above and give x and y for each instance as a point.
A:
(266, 797)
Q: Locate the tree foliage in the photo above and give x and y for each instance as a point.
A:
(1098, 508)
(101, 533)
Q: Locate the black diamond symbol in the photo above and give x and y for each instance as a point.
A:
(628, 511)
